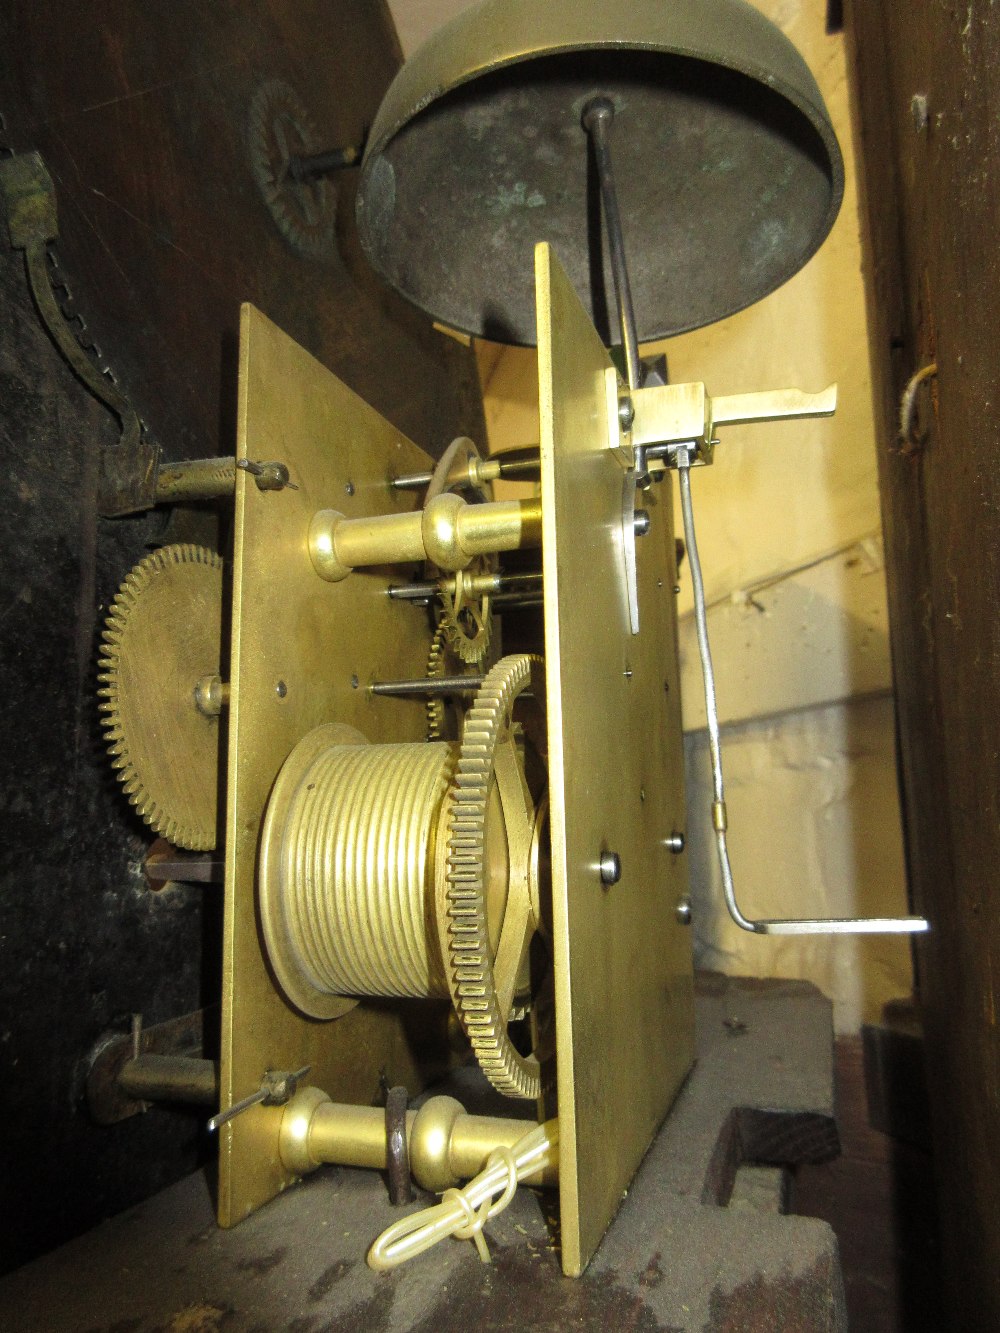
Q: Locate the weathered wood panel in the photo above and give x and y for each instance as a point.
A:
(932, 213)
(140, 112)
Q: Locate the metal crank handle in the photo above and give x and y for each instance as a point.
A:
(907, 925)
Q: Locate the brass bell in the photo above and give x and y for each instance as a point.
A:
(728, 170)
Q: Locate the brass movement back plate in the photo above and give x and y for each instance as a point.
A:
(624, 999)
(302, 653)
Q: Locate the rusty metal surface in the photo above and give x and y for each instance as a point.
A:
(670, 1262)
(396, 1150)
(727, 166)
(108, 1101)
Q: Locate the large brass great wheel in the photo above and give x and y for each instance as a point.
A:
(484, 973)
(413, 870)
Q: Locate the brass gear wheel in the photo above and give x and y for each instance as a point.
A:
(435, 667)
(482, 980)
(279, 128)
(162, 636)
(468, 620)
(442, 660)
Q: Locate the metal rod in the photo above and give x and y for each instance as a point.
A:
(184, 868)
(445, 1144)
(909, 925)
(500, 584)
(522, 464)
(514, 599)
(414, 481)
(598, 116)
(308, 167)
(428, 686)
(447, 531)
(231, 1112)
(196, 479)
(171, 1078)
(413, 592)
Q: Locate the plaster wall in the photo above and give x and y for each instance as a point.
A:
(790, 540)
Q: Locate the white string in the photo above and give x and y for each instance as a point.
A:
(463, 1213)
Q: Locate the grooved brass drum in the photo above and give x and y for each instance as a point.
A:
(727, 166)
(350, 858)
(346, 847)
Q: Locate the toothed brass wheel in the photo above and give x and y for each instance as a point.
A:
(468, 619)
(484, 974)
(435, 668)
(442, 660)
(162, 641)
(416, 870)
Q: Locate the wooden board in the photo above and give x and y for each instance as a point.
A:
(143, 119)
(931, 203)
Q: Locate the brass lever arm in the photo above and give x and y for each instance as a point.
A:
(668, 417)
(772, 405)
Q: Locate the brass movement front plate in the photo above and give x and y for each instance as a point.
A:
(624, 998)
(303, 652)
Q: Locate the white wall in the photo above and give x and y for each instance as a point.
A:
(789, 535)
(417, 19)
(789, 532)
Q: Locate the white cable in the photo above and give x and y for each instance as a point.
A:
(463, 1213)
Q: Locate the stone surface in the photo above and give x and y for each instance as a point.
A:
(675, 1258)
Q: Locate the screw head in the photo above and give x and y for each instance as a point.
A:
(626, 413)
(598, 109)
(642, 522)
(675, 843)
(611, 868)
(684, 912)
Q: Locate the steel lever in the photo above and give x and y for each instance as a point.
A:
(277, 1087)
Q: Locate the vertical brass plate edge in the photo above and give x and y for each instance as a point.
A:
(623, 974)
(302, 653)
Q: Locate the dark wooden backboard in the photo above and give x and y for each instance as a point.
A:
(925, 83)
(140, 112)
